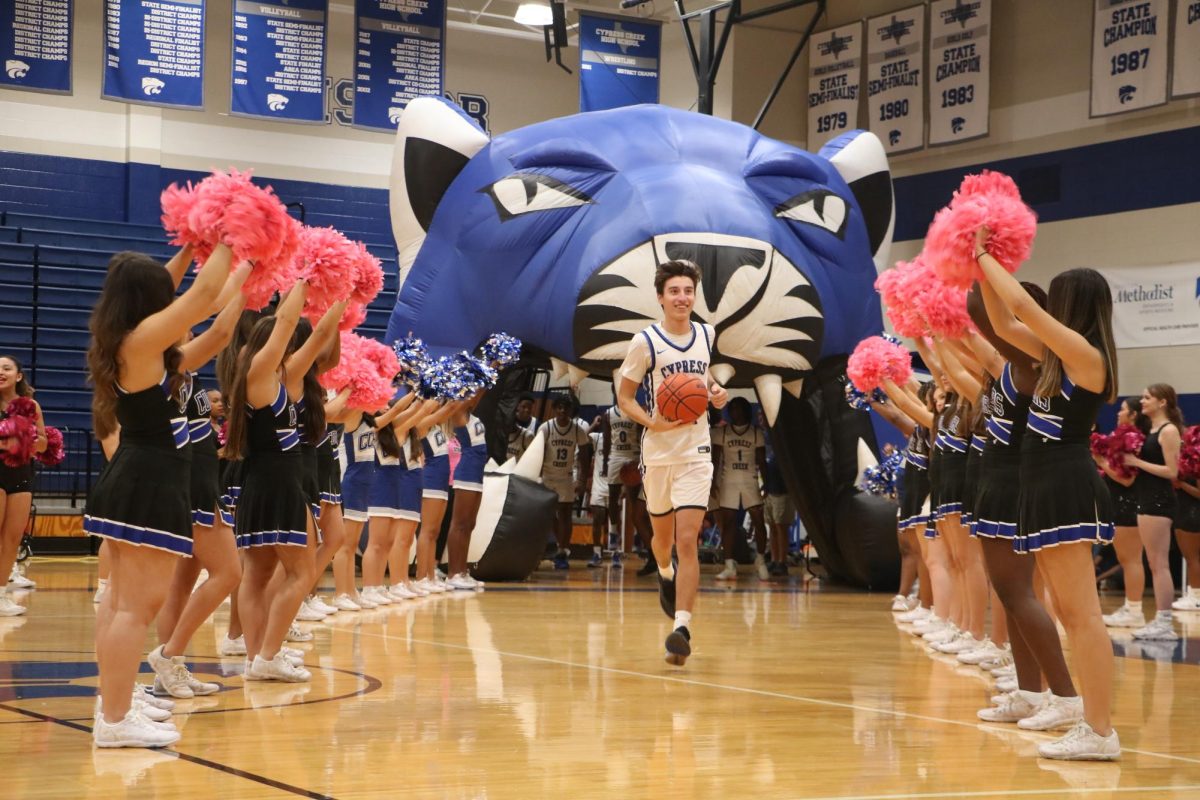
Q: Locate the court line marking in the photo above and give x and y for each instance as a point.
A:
(1010, 792)
(741, 690)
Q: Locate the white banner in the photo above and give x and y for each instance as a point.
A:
(1156, 306)
(1185, 78)
(895, 78)
(1129, 55)
(960, 69)
(834, 76)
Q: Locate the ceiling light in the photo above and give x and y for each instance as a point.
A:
(534, 14)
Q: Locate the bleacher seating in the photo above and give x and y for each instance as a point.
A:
(51, 270)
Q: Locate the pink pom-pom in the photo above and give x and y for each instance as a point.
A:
(887, 283)
(914, 280)
(369, 367)
(1125, 439)
(356, 314)
(944, 309)
(368, 278)
(23, 407)
(176, 205)
(54, 453)
(990, 199)
(1098, 444)
(256, 226)
(18, 435)
(329, 263)
(1189, 454)
(875, 359)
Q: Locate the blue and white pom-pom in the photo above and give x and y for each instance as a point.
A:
(881, 479)
(891, 338)
(456, 377)
(860, 400)
(500, 348)
(414, 360)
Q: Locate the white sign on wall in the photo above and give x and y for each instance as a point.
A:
(834, 81)
(959, 69)
(896, 78)
(1185, 78)
(1157, 306)
(1129, 55)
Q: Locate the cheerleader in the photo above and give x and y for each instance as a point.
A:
(359, 444)
(16, 483)
(910, 554)
(213, 545)
(468, 491)
(274, 517)
(1063, 506)
(140, 503)
(1158, 465)
(1187, 534)
(435, 492)
(329, 481)
(403, 550)
(915, 492)
(1127, 542)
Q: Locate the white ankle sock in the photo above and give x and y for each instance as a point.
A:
(668, 572)
(1134, 605)
(596, 549)
(683, 619)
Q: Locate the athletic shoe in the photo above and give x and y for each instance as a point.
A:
(596, 561)
(730, 572)
(930, 624)
(649, 568)
(1005, 671)
(679, 646)
(439, 574)
(8, 608)
(308, 614)
(463, 582)
(1014, 708)
(760, 566)
(899, 604)
(666, 596)
(1005, 659)
(946, 634)
(171, 675)
(142, 706)
(1006, 684)
(17, 580)
(132, 731)
(295, 634)
(1054, 712)
(1160, 629)
(986, 652)
(399, 591)
(101, 587)
(778, 569)
(343, 603)
(232, 647)
(960, 644)
(415, 588)
(202, 688)
(318, 604)
(364, 600)
(378, 595)
(147, 693)
(561, 561)
(292, 652)
(1189, 602)
(918, 614)
(1082, 744)
(280, 668)
(1126, 617)
(431, 586)
(616, 561)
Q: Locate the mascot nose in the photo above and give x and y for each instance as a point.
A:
(717, 263)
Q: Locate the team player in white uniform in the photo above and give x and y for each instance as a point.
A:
(564, 435)
(676, 457)
(598, 493)
(740, 459)
(522, 431)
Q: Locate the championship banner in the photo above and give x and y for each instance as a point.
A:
(1156, 306)
(1129, 55)
(618, 61)
(960, 69)
(279, 59)
(895, 72)
(35, 45)
(834, 74)
(400, 55)
(154, 52)
(1185, 78)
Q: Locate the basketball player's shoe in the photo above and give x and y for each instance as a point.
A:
(679, 646)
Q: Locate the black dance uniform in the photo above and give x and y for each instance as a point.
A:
(1187, 516)
(15, 480)
(953, 471)
(1062, 498)
(995, 513)
(976, 443)
(329, 468)
(935, 472)
(916, 479)
(308, 451)
(1155, 496)
(273, 508)
(143, 496)
(205, 492)
(1124, 500)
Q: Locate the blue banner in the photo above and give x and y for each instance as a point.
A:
(618, 61)
(279, 59)
(154, 52)
(35, 45)
(399, 55)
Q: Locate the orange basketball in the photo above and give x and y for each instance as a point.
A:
(682, 396)
(631, 474)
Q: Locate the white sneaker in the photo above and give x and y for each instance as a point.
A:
(280, 668)
(438, 575)
(463, 582)
(101, 588)
(1160, 629)
(930, 624)
(1006, 684)
(132, 731)
(343, 603)
(380, 596)
(148, 696)
(1082, 744)
(308, 614)
(318, 604)
(144, 707)
(985, 652)
(171, 675)
(1006, 671)
(730, 572)
(431, 586)
(942, 634)
(918, 614)
(1014, 708)
(232, 647)
(17, 580)
(760, 566)
(1054, 712)
(8, 608)
(292, 652)
(1126, 617)
(1189, 602)
(959, 644)
(364, 600)
(295, 634)
(1001, 661)
(398, 591)
(415, 588)
(899, 604)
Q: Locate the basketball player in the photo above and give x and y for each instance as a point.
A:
(676, 456)
(564, 435)
(740, 453)
(520, 434)
(622, 446)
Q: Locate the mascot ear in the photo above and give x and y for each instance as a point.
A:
(860, 158)
(434, 141)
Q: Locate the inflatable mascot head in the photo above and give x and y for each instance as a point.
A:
(552, 234)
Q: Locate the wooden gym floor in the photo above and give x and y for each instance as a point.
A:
(558, 689)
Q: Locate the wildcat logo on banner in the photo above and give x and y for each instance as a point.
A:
(35, 44)
(1155, 306)
(834, 83)
(1185, 79)
(895, 75)
(960, 69)
(1129, 55)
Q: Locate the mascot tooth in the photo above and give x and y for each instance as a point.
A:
(794, 388)
(769, 388)
(558, 367)
(722, 373)
(575, 375)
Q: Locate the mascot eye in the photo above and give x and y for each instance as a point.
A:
(819, 207)
(528, 191)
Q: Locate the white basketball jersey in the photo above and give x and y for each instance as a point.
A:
(653, 357)
(624, 437)
(518, 442)
(739, 449)
(598, 460)
(561, 444)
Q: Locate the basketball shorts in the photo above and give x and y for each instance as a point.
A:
(671, 487)
(599, 494)
(779, 509)
(614, 469)
(563, 484)
(738, 494)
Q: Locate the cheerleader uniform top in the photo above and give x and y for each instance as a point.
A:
(1062, 421)
(199, 417)
(918, 448)
(360, 446)
(435, 444)
(1008, 411)
(411, 461)
(471, 435)
(948, 440)
(978, 439)
(273, 429)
